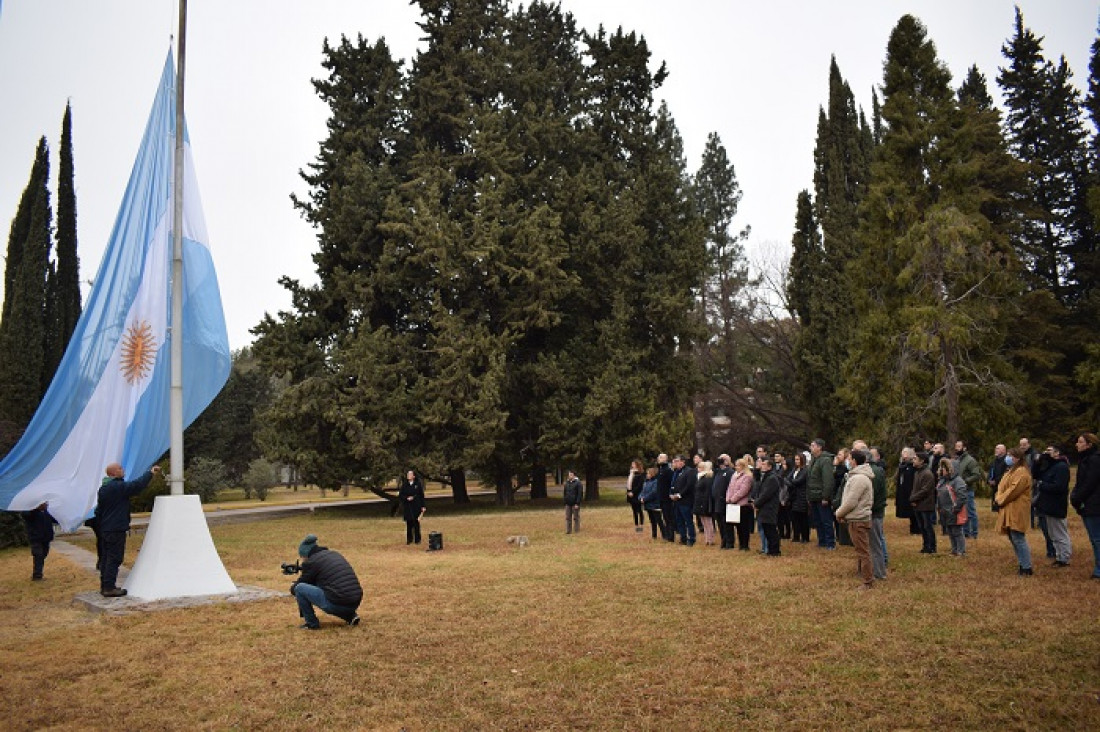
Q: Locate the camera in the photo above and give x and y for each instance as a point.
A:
(289, 568)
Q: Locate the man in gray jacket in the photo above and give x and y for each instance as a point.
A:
(855, 511)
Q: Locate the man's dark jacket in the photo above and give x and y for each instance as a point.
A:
(1052, 490)
(903, 489)
(767, 500)
(329, 570)
(685, 485)
(572, 492)
(113, 509)
(664, 482)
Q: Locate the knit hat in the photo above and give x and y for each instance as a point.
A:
(308, 545)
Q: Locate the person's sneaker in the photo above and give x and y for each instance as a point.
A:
(354, 620)
(1057, 563)
(113, 592)
(309, 626)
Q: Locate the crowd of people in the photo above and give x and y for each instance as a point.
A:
(842, 496)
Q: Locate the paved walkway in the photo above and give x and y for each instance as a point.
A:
(219, 515)
(96, 602)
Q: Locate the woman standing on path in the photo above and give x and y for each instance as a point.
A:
(411, 497)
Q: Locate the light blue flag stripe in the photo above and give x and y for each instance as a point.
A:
(109, 398)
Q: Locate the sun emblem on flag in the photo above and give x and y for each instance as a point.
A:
(139, 350)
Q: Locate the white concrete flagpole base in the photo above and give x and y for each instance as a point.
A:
(177, 557)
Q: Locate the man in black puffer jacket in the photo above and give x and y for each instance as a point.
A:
(328, 582)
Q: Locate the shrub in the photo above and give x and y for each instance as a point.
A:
(205, 477)
(259, 478)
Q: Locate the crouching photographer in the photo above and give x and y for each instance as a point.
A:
(327, 582)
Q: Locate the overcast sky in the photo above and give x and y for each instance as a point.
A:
(755, 72)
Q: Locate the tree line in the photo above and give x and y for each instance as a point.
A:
(945, 263)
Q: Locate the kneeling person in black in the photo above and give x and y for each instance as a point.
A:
(328, 582)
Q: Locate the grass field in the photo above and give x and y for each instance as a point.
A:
(600, 630)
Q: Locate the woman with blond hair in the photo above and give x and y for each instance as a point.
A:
(738, 494)
(1014, 498)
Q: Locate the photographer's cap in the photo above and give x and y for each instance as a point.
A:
(308, 545)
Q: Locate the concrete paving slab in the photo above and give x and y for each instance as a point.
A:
(128, 605)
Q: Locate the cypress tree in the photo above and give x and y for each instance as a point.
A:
(841, 172)
(23, 329)
(21, 223)
(68, 264)
(807, 263)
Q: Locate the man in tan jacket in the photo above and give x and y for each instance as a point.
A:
(855, 510)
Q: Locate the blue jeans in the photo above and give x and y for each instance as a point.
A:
(971, 528)
(685, 521)
(824, 514)
(310, 595)
(878, 547)
(1092, 526)
(1019, 545)
(763, 538)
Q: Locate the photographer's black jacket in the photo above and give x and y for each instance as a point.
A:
(329, 570)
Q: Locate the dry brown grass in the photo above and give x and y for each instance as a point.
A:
(601, 630)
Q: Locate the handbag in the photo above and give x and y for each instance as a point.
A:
(733, 513)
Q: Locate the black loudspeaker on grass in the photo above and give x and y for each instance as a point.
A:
(435, 541)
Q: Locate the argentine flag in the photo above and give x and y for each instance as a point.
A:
(109, 400)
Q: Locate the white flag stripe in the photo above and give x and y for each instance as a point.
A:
(87, 449)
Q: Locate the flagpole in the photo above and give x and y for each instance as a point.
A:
(175, 420)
